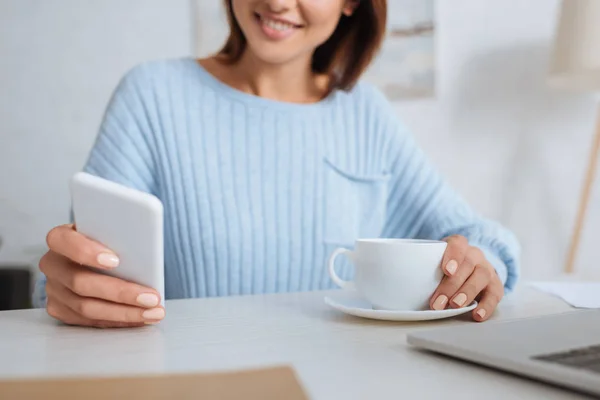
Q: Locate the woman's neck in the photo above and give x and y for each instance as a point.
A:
(292, 82)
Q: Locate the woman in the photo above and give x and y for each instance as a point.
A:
(267, 156)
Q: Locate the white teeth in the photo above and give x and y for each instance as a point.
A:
(277, 25)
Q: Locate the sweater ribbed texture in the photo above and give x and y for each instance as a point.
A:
(257, 193)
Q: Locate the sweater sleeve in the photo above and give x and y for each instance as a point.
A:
(122, 151)
(421, 204)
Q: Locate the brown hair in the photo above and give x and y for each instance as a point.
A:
(344, 56)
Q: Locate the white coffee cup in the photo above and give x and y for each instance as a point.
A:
(393, 274)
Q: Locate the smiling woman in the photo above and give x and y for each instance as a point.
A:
(267, 156)
(342, 48)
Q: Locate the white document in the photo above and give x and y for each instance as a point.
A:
(577, 294)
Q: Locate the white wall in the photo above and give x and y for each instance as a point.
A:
(511, 146)
(59, 62)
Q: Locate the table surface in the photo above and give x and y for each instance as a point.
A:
(334, 355)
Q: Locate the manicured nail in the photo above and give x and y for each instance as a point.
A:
(440, 302)
(451, 267)
(460, 299)
(154, 313)
(481, 313)
(147, 300)
(108, 260)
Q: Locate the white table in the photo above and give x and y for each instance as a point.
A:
(336, 356)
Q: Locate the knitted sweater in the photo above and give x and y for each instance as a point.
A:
(257, 193)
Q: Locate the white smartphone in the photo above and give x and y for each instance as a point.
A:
(126, 221)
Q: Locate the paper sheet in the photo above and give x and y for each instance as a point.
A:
(577, 294)
(272, 383)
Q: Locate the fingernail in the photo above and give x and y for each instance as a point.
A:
(460, 299)
(147, 300)
(155, 313)
(451, 267)
(108, 260)
(481, 313)
(440, 302)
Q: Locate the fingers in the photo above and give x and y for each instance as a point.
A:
(78, 295)
(455, 254)
(86, 309)
(87, 283)
(475, 284)
(61, 312)
(67, 316)
(450, 284)
(65, 240)
(468, 275)
(489, 301)
(454, 257)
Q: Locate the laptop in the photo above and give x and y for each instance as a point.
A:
(561, 349)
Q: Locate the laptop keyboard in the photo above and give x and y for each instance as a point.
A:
(587, 358)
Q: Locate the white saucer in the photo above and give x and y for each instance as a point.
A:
(349, 302)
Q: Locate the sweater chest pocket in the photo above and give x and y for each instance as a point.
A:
(355, 205)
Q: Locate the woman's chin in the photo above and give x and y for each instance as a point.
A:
(271, 57)
(278, 53)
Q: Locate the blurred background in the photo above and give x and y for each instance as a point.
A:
(511, 145)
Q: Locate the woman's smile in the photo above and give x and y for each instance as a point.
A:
(276, 28)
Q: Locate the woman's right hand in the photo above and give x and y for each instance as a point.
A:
(77, 295)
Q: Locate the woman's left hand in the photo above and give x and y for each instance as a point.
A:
(468, 276)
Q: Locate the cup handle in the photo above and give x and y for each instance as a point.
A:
(334, 276)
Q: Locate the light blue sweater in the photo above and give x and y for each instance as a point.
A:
(257, 193)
